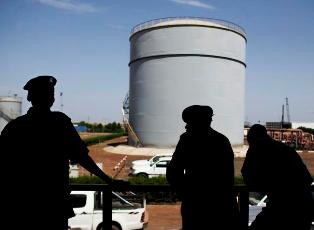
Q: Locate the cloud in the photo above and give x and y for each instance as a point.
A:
(195, 3)
(70, 5)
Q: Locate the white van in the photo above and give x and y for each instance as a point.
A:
(156, 166)
(88, 212)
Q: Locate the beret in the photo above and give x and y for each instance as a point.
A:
(40, 82)
(195, 113)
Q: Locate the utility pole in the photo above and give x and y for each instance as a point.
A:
(61, 101)
(282, 115)
(287, 108)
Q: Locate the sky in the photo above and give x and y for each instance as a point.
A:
(85, 45)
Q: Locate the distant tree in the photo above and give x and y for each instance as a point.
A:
(83, 123)
(113, 127)
(99, 127)
(308, 130)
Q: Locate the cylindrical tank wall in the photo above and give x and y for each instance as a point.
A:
(10, 108)
(175, 66)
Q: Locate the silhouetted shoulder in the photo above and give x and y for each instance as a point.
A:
(12, 125)
(18, 120)
(220, 136)
(61, 117)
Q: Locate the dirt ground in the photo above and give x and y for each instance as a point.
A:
(161, 217)
(110, 160)
(164, 217)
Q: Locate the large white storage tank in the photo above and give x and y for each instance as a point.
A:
(177, 62)
(10, 108)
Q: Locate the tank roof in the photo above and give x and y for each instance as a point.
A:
(10, 99)
(195, 21)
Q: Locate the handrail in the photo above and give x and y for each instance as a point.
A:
(154, 22)
(125, 116)
(242, 191)
(5, 116)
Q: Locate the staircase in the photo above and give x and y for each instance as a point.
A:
(127, 125)
(5, 116)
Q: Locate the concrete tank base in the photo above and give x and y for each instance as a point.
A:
(239, 151)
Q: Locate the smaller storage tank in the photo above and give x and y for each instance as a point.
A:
(10, 108)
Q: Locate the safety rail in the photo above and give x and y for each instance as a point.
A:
(5, 116)
(241, 190)
(125, 116)
(154, 22)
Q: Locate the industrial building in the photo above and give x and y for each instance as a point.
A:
(289, 132)
(283, 124)
(294, 137)
(278, 125)
(178, 62)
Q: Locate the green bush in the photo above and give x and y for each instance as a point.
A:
(155, 197)
(86, 180)
(238, 180)
(99, 139)
(161, 180)
(151, 197)
(133, 180)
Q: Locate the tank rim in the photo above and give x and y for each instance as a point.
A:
(10, 99)
(154, 23)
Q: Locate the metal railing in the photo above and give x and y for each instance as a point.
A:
(154, 22)
(5, 116)
(242, 191)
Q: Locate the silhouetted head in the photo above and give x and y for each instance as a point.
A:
(256, 132)
(41, 91)
(197, 115)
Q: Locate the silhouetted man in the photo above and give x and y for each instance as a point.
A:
(278, 170)
(202, 172)
(36, 149)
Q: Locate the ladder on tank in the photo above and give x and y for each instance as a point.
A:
(5, 116)
(126, 123)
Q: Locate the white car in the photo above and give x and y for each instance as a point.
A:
(157, 166)
(254, 210)
(88, 212)
(150, 161)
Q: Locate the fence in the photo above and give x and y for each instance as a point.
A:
(242, 191)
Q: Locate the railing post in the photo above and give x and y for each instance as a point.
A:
(243, 200)
(107, 208)
(244, 209)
